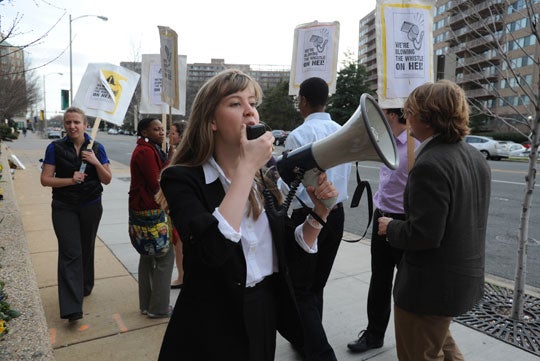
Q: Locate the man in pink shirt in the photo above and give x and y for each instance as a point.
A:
(384, 258)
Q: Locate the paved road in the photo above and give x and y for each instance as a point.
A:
(503, 223)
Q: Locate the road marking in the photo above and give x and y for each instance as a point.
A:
(515, 183)
(508, 171)
(52, 335)
(121, 326)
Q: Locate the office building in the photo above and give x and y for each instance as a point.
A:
(367, 49)
(11, 60)
(268, 76)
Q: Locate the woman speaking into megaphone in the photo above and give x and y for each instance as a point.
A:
(236, 290)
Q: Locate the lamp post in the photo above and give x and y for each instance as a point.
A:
(104, 18)
(45, 100)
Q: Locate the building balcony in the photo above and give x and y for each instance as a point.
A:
(476, 45)
(480, 77)
(462, 11)
(371, 67)
(370, 58)
(479, 93)
(493, 57)
(484, 26)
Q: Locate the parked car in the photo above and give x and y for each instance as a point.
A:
(490, 148)
(280, 136)
(112, 131)
(526, 153)
(54, 134)
(514, 149)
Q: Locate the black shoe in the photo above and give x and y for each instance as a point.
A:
(74, 316)
(366, 341)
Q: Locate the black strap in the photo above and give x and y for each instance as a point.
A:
(355, 201)
(313, 214)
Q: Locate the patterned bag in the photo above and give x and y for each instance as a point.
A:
(150, 232)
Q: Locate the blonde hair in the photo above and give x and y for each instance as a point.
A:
(443, 105)
(78, 111)
(197, 144)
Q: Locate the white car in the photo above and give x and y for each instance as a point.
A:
(490, 148)
(112, 131)
(54, 134)
(514, 149)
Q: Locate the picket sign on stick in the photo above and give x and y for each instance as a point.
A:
(164, 123)
(410, 148)
(91, 144)
(404, 41)
(94, 132)
(170, 125)
(105, 93)
(169, 69)
(315, 54)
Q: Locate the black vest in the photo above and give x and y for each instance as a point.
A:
(66, 163)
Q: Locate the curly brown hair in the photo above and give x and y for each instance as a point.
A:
(443, 105)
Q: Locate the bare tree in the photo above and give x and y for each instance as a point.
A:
(18, 93)
(19, 85)
(508, 40)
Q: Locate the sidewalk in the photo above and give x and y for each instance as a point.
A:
(113, 329)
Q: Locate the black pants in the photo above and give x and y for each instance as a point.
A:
(260, 319)
(309, 288)
(76, 229)
(384, 259)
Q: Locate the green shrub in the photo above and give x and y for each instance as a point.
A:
(6, 132)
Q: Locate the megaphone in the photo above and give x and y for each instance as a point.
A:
(365, 136)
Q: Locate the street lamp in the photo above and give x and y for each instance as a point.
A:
(45, 100)
(104, 18)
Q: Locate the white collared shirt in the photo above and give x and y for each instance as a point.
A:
(317, 126)
(254, 235)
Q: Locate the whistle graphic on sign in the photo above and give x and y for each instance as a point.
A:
(113, 80)
(413, 34)
(319, 42)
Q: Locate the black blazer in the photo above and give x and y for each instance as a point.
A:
(446, 202)
(207, 321)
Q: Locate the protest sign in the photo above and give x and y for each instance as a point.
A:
(106, 91)
(315, 54)
(169, 65)
(151, 85)
(405, 48)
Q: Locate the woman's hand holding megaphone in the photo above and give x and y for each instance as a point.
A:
(316, 179)
(323, 195)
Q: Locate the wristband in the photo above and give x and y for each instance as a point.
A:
(313, 222)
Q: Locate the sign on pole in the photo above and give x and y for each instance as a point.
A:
(169, 65)
(106, 91)
(315, 54)
(64, 98)
(405, 44)
(151, 85)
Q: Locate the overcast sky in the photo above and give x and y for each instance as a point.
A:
(239, 31)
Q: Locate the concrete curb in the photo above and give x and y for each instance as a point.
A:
(28, 338)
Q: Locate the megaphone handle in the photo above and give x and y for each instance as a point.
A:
(311, 178)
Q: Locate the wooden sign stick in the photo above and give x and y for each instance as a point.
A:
(91, 144)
